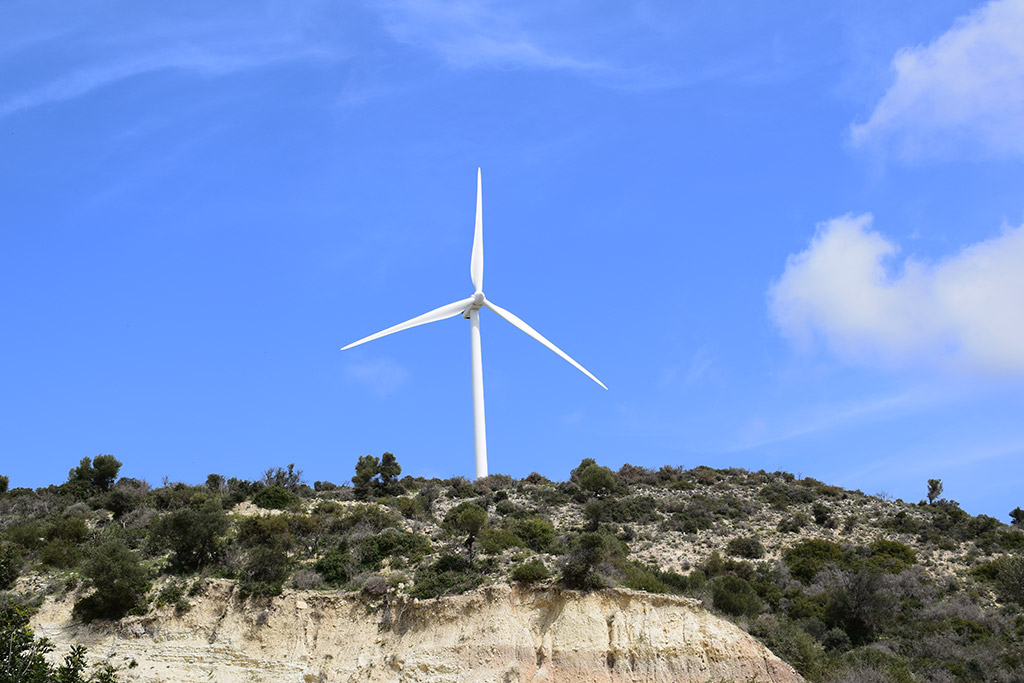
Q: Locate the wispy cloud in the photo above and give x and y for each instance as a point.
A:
(963, 313)
(478, 33)
(961, 94)
(761, 431)
(126, 52)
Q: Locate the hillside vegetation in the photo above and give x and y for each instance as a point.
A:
(842, 585)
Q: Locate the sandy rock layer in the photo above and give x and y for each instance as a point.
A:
(499, 633)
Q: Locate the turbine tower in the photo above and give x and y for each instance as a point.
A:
(470, 309)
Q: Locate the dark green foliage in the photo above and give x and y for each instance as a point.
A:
(449, 575)
(376, 477)
(806, 558)
(23, 655)
(794, 522)
(60, 554)
(264, 571)
(745, 546)
(1007, 576)
(194, 537)
(530, 572)
(466, 518)
(781, 495)
(126, 495)
(791, 643)
(735, 596)
(394, 544)
(934, 489)
(336, 567)
(890, 556)
(641, 509)
(174, 594)
(574, 474)
(1017, 515)
(265, 532)
(100, 472)
(5, 481)
(596, 480)
(10, 564)
(118, 579)
(495, 539)
(215, 482)
(580, 571)
(275, 498)
(289, 479)
(537, 533)
(822, 515)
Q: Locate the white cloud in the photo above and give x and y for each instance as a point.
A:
(962, 93)
(965, 312)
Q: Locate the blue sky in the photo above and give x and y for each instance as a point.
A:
(786, 237)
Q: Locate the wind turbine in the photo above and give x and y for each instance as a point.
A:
(470, 309)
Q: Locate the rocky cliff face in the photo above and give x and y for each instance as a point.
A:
(500, 633)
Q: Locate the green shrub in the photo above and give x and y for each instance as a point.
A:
(10, 564)
(4, 483)
(449, 575)
(638, 509)
(118, 579)
(794, 522)
(793, 644)
(530, 572)
(275, 498)
(265, 532)
(537, 532)
(194, 537)
(806, 558)
(467, 518)
(745, 546)
(336, 567)
(597, 480)
(823, 515)
(579, 571)
(264, 572)
(643, 578)
(61, 554)
(734, 596)
(391, 543)
(23, 658)
(890, 556)
(375, 477)
(174, 594)
(495, 540)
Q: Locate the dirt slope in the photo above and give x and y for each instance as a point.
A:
(498, 633)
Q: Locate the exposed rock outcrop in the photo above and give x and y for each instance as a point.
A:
(499, 633)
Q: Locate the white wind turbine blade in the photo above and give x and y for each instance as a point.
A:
(449, 311)
(515, 320)
(476, 263)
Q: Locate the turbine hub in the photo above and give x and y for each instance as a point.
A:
(478, 300)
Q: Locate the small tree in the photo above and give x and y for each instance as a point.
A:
(1017, 515)
(119, 579)
(596, 479)
(376, 477)
(194, 537)
(934, 489)
(104, 471)
(4, 483)
(468, 518)
(99, 472)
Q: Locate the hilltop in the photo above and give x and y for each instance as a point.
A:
(839, 584)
